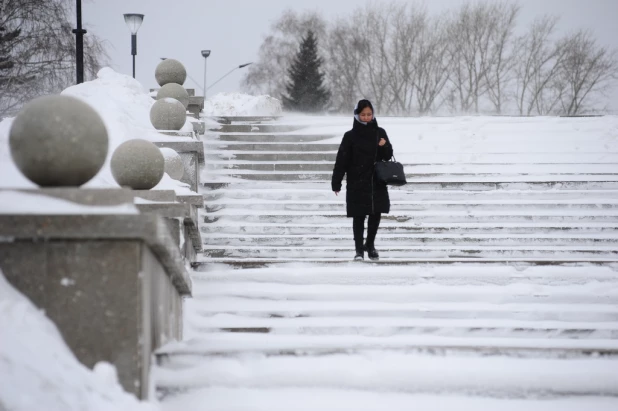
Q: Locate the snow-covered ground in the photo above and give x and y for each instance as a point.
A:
(238, 104)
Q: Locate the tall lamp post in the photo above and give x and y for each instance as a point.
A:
(205, 54)
(134, 21)
(228, 73)
(79, 43)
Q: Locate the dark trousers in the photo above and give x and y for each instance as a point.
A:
(358, 225)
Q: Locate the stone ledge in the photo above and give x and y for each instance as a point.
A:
(190, 134)
(166, 209)
(184, 147)
(234, 119)
(155, 195)
(150, 229)
(187, 212)
(100, 197)
(196, 200)
(170, 196)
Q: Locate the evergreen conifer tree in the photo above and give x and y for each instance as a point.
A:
(305, 90)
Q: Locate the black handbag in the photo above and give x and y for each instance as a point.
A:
(390, 172)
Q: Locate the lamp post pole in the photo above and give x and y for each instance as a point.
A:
(134, 50)
(205, 54)
(228, 73)
(79, 43)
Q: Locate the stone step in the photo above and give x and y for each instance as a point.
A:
(528, 251)
(498, 328)
(539, 230)
(266, 138)
(366, 396)
(230, 195)
(268, 291)
(409, 168)
(245, 119)
(504, 306)
(257, 128)
(481, 331)
(412, 275)
(211, 145)
(416, 177)
(414, 206)
(479, 186)
(272, 156)
(428, 158)
(498, 216)
(387, 241)
(229, 344)
(340, 262)
(330, 368)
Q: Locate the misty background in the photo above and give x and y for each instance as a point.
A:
(235, 30)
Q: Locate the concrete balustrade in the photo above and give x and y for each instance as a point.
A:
(108, 266)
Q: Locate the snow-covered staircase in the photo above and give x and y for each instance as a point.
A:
(268, 199)
(497, 286)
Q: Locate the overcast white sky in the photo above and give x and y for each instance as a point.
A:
(234, 29)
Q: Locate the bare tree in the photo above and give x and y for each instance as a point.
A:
(500, 54)
(433, 65)
(269, 75)
(538, 62)
(346, 53)
(585, 70)
(480, 37)
(376, 79)
(38, 49)
(409, 24)
(469, 38)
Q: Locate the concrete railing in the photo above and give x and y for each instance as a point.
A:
(107, 265)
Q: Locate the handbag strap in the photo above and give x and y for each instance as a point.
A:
(375, 159)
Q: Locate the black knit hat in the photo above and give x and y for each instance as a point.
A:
(361, 105)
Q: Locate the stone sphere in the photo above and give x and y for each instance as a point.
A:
(58, 141)
(170, 71)
(168, 114)
(175, 91)
(137, 164)
(174, 166)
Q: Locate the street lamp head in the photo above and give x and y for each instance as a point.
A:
(205, 53)
(244, 65)
(134, 21)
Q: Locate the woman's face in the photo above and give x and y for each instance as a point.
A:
(366, 115)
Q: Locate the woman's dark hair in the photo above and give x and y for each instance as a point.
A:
(361, 105)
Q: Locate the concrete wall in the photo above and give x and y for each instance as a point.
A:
(113, 285)
(111, 300)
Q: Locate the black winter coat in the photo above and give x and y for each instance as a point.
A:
(356, 156)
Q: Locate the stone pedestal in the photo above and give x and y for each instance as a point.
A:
(199, 127)
(192, 153)
(112, 284)
(181, 218)
(190, 134)
(196, 105)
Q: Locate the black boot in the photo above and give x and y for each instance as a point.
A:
(372, 253)
(360, 251)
